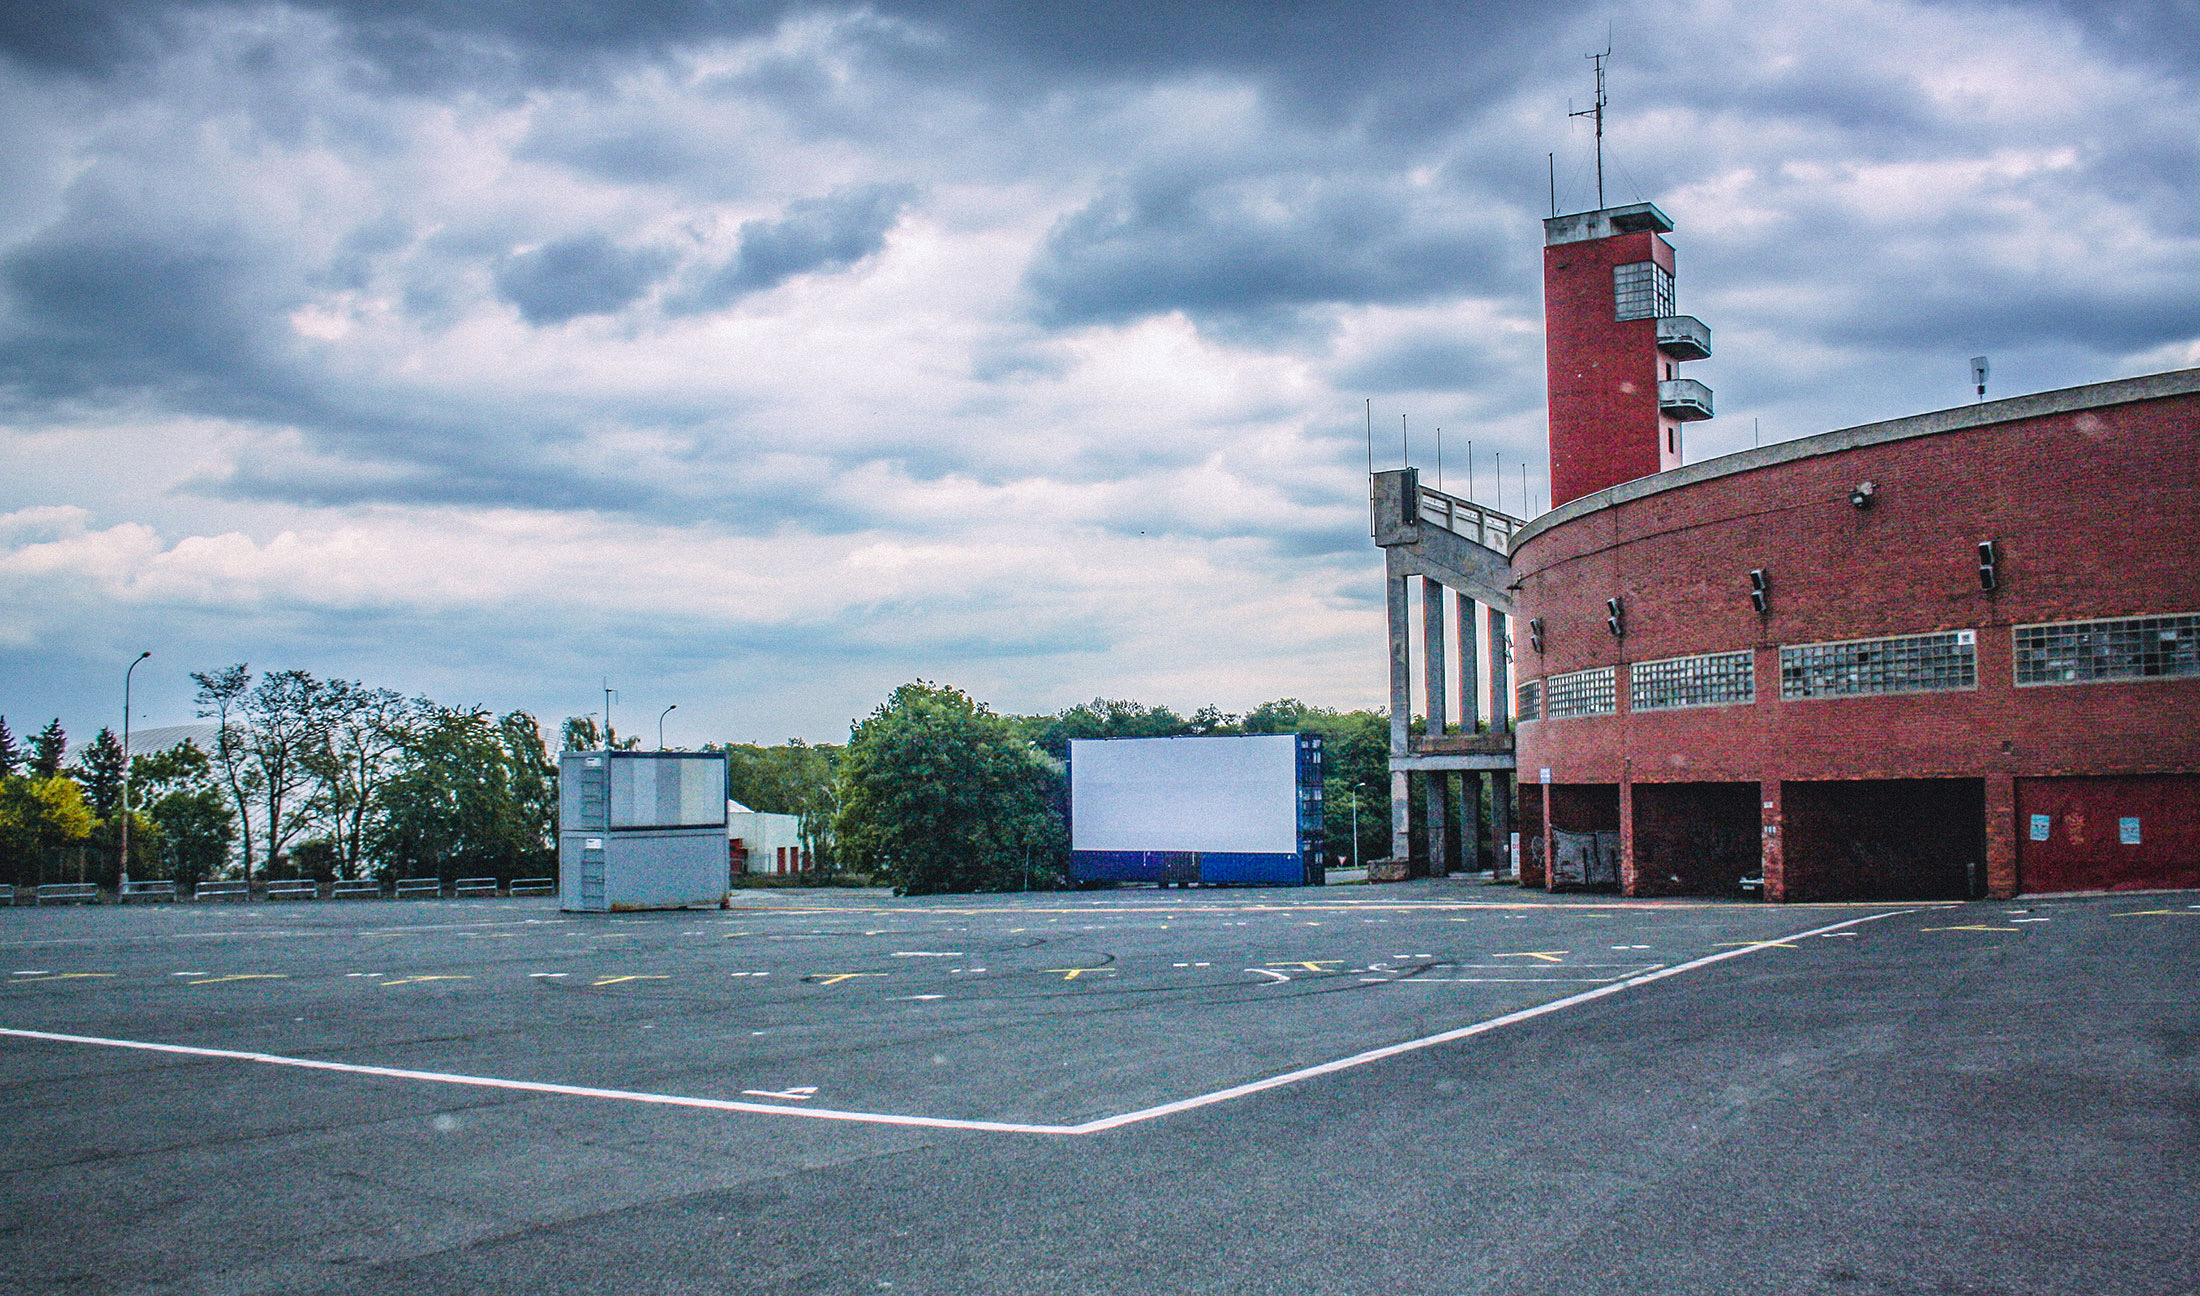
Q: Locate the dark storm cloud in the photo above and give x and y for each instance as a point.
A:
(816, 234)
(1426, 364)
(584, 275)
(102, 313)
(1245, 248)
(1403, 61)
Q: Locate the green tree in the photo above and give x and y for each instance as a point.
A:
(940, 794)
(220, 698)
(283, 725)
(184, 829)
(579, 733)
(356, 736)
(99, 772)
(49, 750)
(11, 756)
(44, 821)
(472, 795)
(1113, 718)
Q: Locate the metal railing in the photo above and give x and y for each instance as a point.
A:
(1483, 525)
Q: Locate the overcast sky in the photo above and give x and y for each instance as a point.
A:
(763, 356)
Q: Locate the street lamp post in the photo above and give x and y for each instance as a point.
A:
(123, 874)
(661, 724)
(1356, 823)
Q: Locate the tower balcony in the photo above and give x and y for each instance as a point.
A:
(1684, 399)
(1683, 337)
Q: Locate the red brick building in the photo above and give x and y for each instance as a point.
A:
(1946, 655)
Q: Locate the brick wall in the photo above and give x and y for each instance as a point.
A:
(2096, 513)
(1604, 372)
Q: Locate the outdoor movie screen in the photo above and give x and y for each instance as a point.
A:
(1185, 794)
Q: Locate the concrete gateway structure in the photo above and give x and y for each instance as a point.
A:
(1955, 654)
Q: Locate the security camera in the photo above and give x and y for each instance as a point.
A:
(1861, 497)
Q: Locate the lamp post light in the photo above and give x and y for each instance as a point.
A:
(1356, 823)
(123, 874)
(661, 724)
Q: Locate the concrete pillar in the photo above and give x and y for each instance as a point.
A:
(1470, 822)
(1432, 657)
(1501, 822)
(1434, 670)
(1401, 709)
(1435, 790)
(1500, 673)
(1772, 859)
(1503, 788)
(1627, 873)
(1401, 830)
(1470, 666)
(2001, 836)
(1550, 841)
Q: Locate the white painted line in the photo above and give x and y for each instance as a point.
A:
(1099, 1126)
(1446, 1037)
(533, 1086)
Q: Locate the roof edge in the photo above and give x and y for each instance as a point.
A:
(2067, 400)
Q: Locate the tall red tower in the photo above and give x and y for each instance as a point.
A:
(1614, 348)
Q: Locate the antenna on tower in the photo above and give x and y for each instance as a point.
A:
(1596, 111)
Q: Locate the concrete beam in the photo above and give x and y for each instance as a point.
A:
(1420, 763)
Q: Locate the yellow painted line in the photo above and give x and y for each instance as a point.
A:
(413, 980)
(835, 978)
(1772, 944)
(1547, 956)
(1972, 927)
(2158, 913)
(1071, 974)
(617, 980)
(1310, 965)
(57, 976)
(242, 976)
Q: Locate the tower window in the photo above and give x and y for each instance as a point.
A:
(1643, 290)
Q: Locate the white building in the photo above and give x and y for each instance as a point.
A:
(762, 843)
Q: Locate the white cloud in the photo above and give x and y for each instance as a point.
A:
(266, 396)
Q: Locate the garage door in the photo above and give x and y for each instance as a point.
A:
(2108, 834)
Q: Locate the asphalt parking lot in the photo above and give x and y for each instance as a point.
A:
(1436, 1087)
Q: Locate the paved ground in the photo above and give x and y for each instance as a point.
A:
(840, 1092)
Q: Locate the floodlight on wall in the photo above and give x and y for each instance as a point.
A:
(1615, 617)
(1760, 590)
(1989, 565)
(1535, 633)
(1861, 497)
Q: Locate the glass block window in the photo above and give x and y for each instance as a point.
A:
(1582, 693)
(1926, 663)
(1529, 701)
(2085, 652)
(1719, 679)
(1643, 290)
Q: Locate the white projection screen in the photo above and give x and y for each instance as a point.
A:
(1185, 794)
